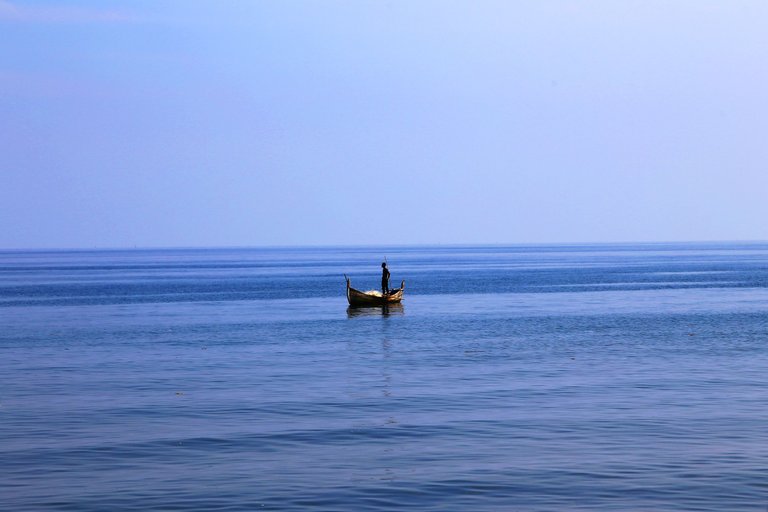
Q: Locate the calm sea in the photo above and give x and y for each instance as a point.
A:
(524, 378)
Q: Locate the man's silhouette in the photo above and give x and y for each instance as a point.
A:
(384, 279)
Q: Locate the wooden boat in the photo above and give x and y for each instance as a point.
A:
(373, 298)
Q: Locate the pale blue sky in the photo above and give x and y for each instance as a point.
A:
(200, 123)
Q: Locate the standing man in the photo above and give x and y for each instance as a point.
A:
(384, 279)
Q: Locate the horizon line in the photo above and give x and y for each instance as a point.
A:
(374, 246)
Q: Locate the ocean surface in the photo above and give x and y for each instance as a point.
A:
(525, 378)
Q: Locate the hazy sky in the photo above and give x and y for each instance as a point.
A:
(196, 123)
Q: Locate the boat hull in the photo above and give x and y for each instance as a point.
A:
(358, 298)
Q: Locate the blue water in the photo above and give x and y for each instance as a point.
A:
(550, 378)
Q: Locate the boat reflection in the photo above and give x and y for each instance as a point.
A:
(386, 310)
